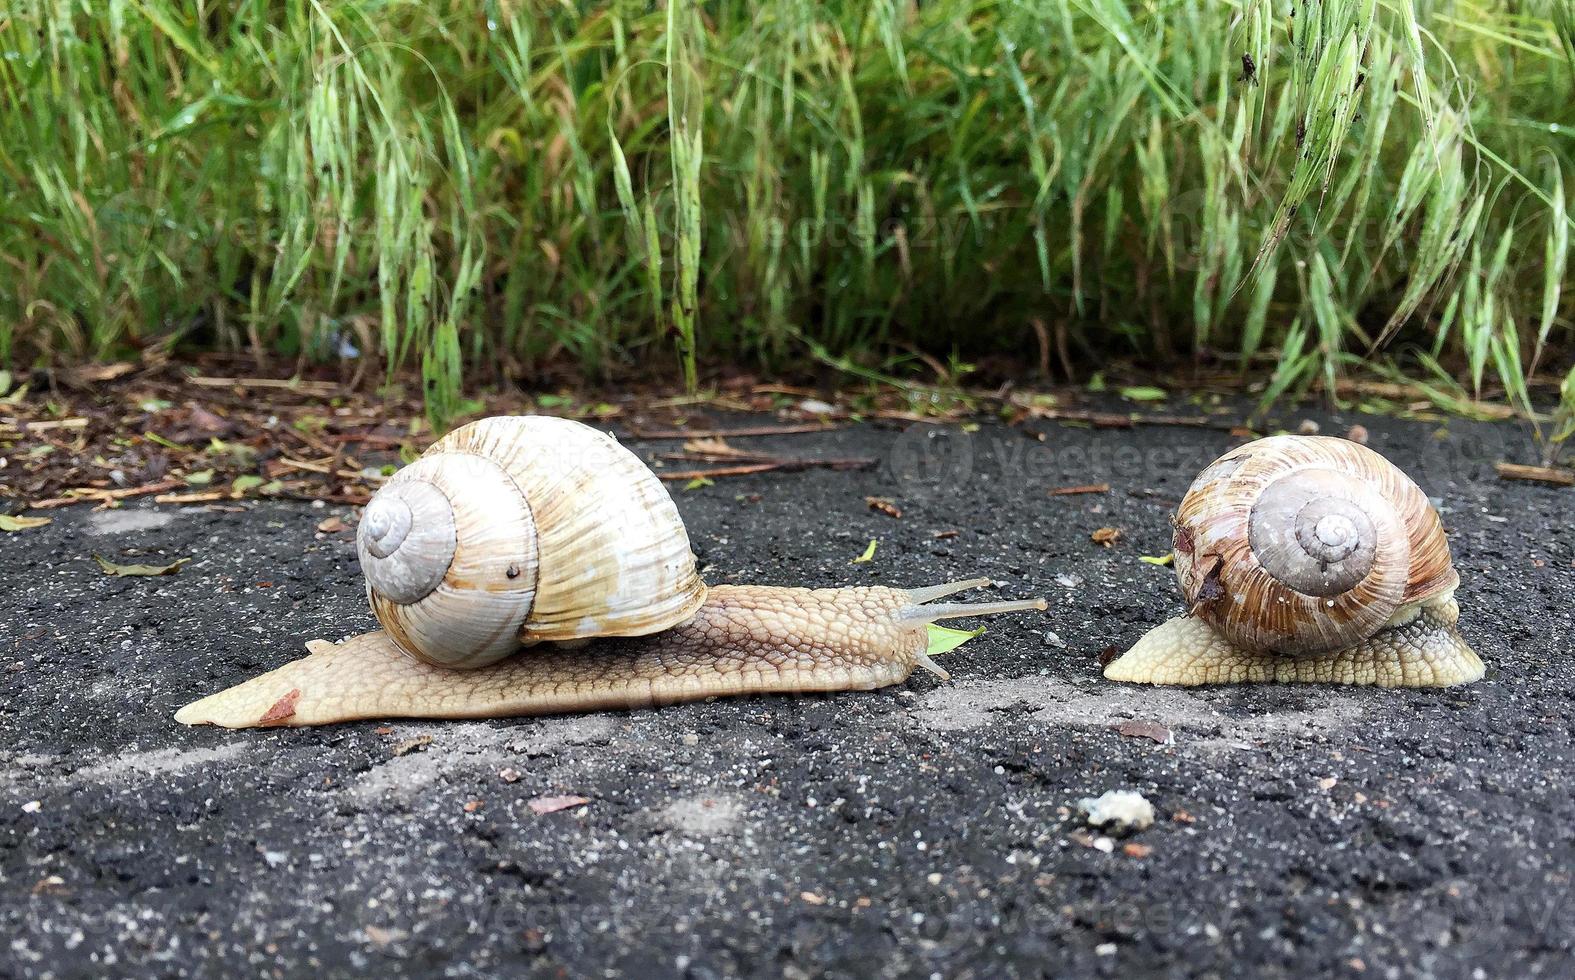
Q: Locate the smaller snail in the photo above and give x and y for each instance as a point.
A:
(1307, 559)
(531, 565)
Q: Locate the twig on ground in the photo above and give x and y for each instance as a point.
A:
(1537, 474)
(754, 430)
(82, 495)
(320, 389)
(1085, 488)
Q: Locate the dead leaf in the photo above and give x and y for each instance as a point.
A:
(282, 708)
(1151, 730)
(1136, 850)
(552, 804)
(21, 522)
(884, 505)
(1212, 589)
(810, 898)
(474, 805)
(1182, 816)
(384, 937)
(411, 744)
(111, 568)
(1106, 536)
(713, 446)
(89, 373)
(332, 525)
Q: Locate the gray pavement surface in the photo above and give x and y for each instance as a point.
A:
(925, 830)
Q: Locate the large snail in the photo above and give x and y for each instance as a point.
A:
(1307, 559)
(510, 532)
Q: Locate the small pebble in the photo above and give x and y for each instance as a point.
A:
(1308, 427)
(1357, 434)
(1119, 811)
(1053, 639)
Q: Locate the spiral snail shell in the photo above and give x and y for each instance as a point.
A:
(1307, 558)
(515, 530)
(545, 534)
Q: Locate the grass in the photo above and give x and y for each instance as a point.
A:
(1295, 187)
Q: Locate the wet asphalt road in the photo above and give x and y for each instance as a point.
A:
(927, 830)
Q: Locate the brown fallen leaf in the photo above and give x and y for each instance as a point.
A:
(1151, 730)
(384, 937)
(111, 568)
(332, 525)
(412, 744)
(711, 446)
(1182, 816)
(1106, 536)
(884, 505)
(22, 522)
(282, 708)
(474, 805)
(1108, 656)
(1536, 474)
(552, 804)
(1136, 850)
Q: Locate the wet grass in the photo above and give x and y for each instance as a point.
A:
(1294, 187)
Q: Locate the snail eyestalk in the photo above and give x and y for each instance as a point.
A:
(919, 614)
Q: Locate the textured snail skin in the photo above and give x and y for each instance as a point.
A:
(1422, 651)
(744, 640)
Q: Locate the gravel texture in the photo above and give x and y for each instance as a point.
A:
(929, 829)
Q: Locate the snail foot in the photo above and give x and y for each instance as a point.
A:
(1421, 649)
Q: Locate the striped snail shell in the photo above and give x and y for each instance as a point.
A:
(519, 529)
(1304, 545)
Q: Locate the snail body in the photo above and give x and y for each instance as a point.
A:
(531, 565)
(1304, 558)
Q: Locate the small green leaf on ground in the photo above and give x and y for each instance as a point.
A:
(201, 478)
(869, 553)
(1164, 559)
(249, 481)
(698, 482)
(167, 444)
(111, 568)
(1144, 393)
(1097, 382)
(944, 639)
(22, 522)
